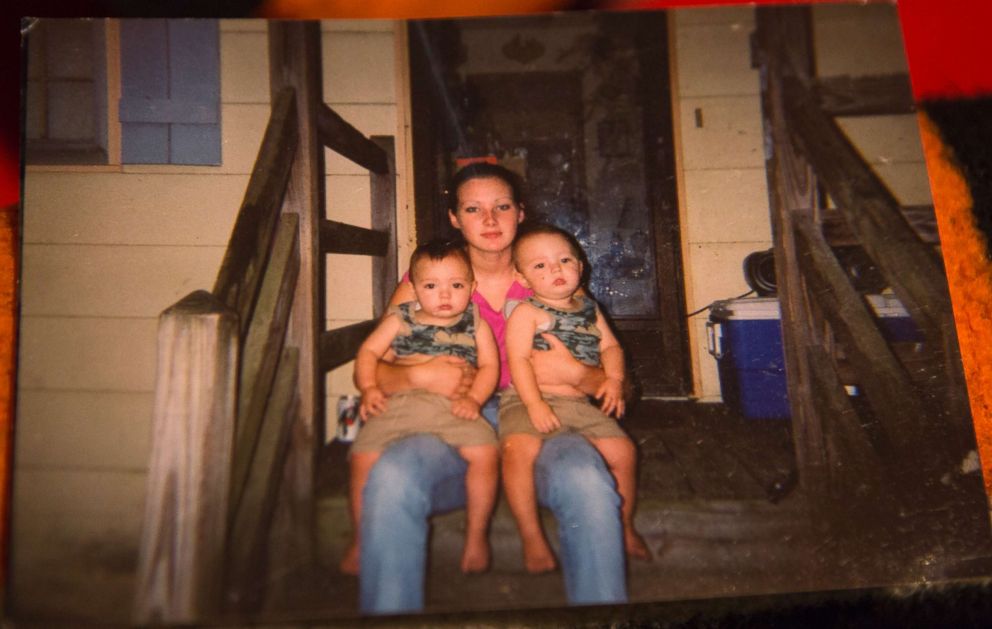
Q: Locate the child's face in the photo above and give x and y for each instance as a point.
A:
(548, 266)
(443, 287)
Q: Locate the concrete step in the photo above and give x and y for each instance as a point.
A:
(701, 549)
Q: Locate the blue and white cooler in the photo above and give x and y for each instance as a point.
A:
(745, 336)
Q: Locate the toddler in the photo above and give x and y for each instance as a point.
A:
(548, 261)
(442, 321)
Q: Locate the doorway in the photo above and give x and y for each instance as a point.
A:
(578, 104)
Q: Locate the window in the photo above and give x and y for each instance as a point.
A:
(169, 103)
(170, 92)
(66, 111)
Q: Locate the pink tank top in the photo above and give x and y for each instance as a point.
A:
(497, 322)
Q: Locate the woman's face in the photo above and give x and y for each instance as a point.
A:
(487, 216)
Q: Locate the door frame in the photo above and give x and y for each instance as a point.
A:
(433, 126)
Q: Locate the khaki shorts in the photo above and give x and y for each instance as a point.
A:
(575, 413)
(414, 412)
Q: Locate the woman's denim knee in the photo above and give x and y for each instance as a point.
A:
(393, 481)
(420, 475)
(572, 476)
(574, 482)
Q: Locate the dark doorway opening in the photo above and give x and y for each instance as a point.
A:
(579, 105)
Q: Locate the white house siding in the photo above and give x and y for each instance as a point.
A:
(364, 75)
(105, 250)
(724, 198)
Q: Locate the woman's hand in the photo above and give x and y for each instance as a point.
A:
(610, 395)
(558, 366)
(449, 376)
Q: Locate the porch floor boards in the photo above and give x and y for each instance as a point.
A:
(718, 505)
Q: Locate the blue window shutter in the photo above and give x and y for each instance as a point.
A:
(170, 92)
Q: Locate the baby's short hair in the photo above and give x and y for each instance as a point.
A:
(439, 249)
(536, 228)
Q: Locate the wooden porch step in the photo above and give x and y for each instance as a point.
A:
(702, 549)
(711, 548)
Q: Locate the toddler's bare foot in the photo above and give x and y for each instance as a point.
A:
(475, 556)
(350, 562)
(538, 557)
(635, 546)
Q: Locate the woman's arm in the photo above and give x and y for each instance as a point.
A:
(449, 376)
(557, 366)
(401, 294)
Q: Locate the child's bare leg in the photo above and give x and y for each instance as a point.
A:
(360, 465)
(519, 453)
(481, 480)
(621, 458)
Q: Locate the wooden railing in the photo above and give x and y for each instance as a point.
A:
(238, 395)
(830, 335)
(224, 391)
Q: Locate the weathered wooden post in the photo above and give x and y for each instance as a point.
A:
(181, 568)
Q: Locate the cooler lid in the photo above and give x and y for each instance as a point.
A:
(886, 306)
(746, 308)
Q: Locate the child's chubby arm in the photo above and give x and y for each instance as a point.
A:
(520, 329)
(486, 378)
(367, 358)
(449, 376)
(611, 392)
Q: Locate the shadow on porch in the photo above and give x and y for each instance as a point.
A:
(719, 505)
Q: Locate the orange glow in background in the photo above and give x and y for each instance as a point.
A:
(969, 276)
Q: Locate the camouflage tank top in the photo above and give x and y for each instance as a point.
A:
(457, 339)
(577, 330)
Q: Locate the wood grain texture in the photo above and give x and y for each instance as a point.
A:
(246, 563)
(911, 267)
(248, 249)
(180, 572)
(338, 135)
(338, 346)
(920, 218)
(295, 61)
(784, 48)
(262, 348)
(875, 95)
(338, 237)
(852, 458)
(886, 384)
(383, 193)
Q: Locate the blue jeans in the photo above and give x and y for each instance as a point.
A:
(420, 476)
